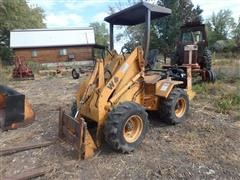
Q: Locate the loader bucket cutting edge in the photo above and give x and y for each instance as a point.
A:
(15, 110)
(75, 132)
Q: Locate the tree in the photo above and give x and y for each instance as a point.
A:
(16, 14)
(101, 33)
(168, 28)
(221, 26)
(236, 33)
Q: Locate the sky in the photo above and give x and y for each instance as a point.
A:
(79, 13)
(72, 13)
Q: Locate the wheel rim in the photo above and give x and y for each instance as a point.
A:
(133, 128)
(180, 107)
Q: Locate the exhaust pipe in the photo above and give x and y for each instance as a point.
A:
(15, 110)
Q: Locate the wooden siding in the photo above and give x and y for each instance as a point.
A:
(52, 54)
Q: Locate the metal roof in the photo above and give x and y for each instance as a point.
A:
(136, 14)
(33, 38)
(52, 29)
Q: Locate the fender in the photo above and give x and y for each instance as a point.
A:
(164, 87)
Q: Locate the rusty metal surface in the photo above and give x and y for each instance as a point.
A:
(75, 132)
(71, 131)
(15, 110)
(21, 70)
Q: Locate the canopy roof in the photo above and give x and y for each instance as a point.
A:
(136, 14)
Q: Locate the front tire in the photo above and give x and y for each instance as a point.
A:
(126, 126)
(174, 109)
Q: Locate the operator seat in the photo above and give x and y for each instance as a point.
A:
(151, 59)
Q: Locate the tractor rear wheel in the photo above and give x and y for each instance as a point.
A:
(174, 108)
(126, 126)
(206, 59)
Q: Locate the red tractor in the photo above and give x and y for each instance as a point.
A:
(192, 49)
(21, 70)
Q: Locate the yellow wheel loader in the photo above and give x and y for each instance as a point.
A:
(15, 109)
(117, 95)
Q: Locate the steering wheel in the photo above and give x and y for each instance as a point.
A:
(125, 50)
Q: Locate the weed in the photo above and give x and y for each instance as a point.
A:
(200, 88)
(227, 102)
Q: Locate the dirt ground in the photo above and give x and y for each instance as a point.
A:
(205, 146)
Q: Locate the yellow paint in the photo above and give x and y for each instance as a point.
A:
(28, 112)
(89, 146)
(164, 87)
(117, 79)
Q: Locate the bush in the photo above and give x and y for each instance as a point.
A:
(6, 55)
(226, 47)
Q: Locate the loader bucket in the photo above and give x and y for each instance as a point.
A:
(75, 132)
(15, 110)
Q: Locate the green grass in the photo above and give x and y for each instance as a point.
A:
(224, 94)
(228, 102)
(200, 88)
(221, 62)
(226, 56)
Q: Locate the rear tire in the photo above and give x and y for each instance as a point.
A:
(210, 76)
(173, 109)
(75, 74)
(126, 126)
(206, 59)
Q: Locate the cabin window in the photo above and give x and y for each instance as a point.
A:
(187, 37)
(63, 52)
(198, 37)
(34, 53)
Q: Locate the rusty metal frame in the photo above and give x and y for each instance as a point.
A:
(72, 131)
